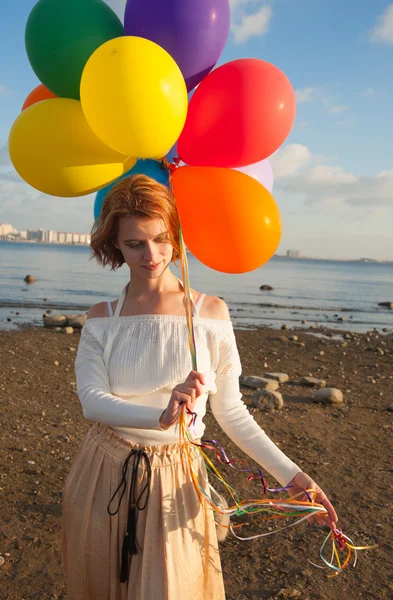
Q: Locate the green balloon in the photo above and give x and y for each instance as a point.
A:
(61, 35)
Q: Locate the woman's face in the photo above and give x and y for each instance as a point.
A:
(145, 245)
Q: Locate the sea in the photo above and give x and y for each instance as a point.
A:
(334, 294)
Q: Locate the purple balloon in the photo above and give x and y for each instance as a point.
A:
(261, 171)
(194, 32)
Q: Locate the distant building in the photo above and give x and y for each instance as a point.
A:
(6, 229)
(49, 236)
(46, 236)
(293, 253)
(35, 235)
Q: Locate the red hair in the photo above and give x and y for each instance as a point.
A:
(135, 196)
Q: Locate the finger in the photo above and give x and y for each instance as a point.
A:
(329, 507)
(320, 520)
(181, 398)
(196, 375)
(195, 385)
(191, 392)
(198, 389)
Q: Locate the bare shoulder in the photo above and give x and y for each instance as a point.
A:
(214, 308)
(98, 310)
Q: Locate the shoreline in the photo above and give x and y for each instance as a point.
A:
(17, 315)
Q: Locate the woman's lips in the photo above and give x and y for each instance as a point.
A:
(152, 267)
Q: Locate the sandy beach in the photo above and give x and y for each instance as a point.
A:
(346, 448)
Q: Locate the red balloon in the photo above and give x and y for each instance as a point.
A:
(240, 114)
(37, 95)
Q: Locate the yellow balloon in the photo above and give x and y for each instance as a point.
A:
(54, 150)
(134, 97)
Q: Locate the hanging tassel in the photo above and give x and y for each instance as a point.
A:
(132, 542)
(124, 560)
(130, 546)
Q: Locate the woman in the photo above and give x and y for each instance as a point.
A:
(132, 526)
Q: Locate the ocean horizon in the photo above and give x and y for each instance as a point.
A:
(338, 294)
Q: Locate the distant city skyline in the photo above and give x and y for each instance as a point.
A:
(49, 236)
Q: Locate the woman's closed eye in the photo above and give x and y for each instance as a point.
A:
(160, 240)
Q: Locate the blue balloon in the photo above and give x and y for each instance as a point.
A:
(172, 154)
(152, 168)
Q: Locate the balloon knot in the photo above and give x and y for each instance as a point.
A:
(171, 166)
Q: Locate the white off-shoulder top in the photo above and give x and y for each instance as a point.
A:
(127, 367)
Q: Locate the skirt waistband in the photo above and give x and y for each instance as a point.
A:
(118, 446)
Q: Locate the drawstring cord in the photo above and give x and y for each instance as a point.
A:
(130, 541)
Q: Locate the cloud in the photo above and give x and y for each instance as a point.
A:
(4, 156)
(316, 94)
(306, 95)
(249, 18)
(337, 108)
(348, 122)
(252, 25)
(295, 170)
(26, 208)
(382, 32)
(289, 160)
(4, 91)
(369, 93)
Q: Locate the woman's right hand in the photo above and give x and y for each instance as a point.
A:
(184, 393)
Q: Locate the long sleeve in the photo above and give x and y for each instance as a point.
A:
(98, 403)
(234, 418)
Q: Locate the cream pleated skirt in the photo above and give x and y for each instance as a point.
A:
(174, 536)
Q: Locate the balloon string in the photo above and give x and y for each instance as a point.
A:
(185, 272)
(272, 508)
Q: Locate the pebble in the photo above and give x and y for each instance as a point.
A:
(56, 363)
(329, 396)
(390, 408)
(293, 338)
(280, 377)
(31, 462)
(313, 382)
(284, 327)
(288, 593)
(270, 401)
(259, 383)
(2, 561)
(321, 353)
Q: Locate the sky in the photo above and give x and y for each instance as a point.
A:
(333, 176)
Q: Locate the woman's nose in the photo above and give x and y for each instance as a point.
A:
(150, 252)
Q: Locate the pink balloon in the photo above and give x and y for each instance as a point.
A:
(261, 171)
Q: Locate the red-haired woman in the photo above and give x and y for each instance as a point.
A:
(132, 525)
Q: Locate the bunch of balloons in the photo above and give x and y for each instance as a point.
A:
(114, 101)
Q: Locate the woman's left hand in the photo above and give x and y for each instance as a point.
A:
(302, 482)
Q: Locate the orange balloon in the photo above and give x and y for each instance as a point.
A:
(230, 222)
(39, 93)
